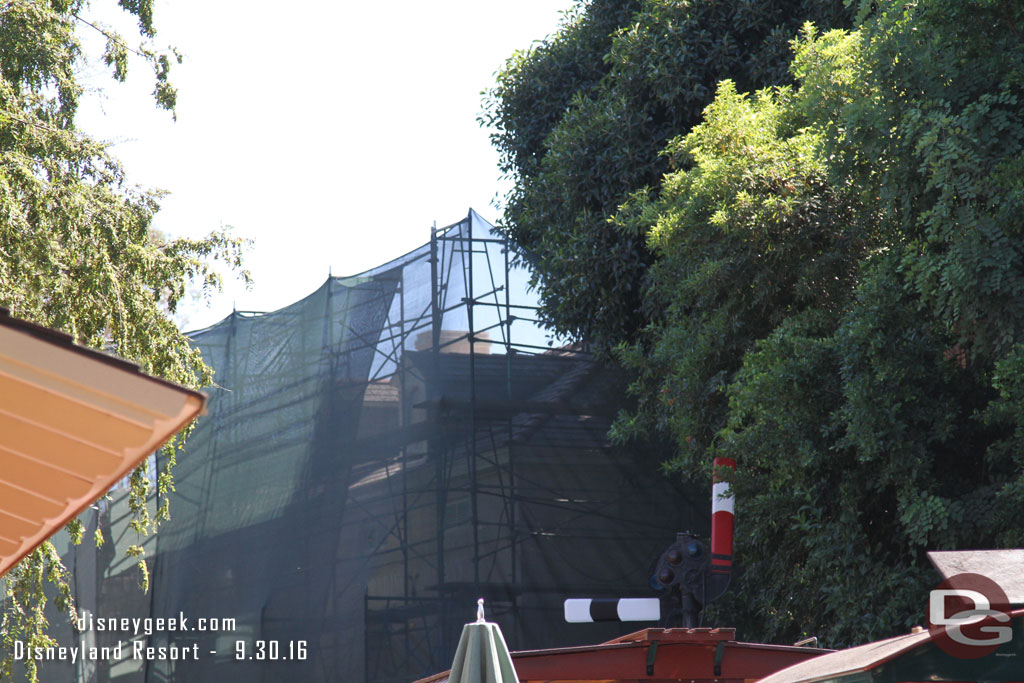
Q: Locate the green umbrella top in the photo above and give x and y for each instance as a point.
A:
(482, 656)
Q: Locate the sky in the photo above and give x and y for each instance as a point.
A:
(332, 134)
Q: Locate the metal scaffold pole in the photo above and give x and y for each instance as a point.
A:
(434, 450)
(469, 254)
(511, 500)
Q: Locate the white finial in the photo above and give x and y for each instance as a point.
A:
(480, 611)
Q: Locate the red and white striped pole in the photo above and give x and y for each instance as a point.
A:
(722, 514)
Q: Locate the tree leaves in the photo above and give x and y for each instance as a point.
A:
(78, 252)
(831, 317)
(824, 282)
(582, 118)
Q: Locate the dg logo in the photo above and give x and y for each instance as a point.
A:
(968, 616)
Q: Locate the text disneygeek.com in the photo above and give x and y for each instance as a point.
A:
(150, 625)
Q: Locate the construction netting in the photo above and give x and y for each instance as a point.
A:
(376, 457)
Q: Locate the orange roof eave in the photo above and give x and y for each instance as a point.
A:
(73, 421)
(679, 654)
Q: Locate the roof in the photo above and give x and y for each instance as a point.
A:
(73, 421)
(657, 656)
(1005, 567)
(913, 656)
(850, 661)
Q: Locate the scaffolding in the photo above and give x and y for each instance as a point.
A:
(379, 455)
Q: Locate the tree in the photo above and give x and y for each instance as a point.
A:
(77, 251)
(824, 281)
(748, 235)
(580, 121)
(839, 279)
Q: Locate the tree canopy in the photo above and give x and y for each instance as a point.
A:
(77, 248)
(828, 289)
(581, 120)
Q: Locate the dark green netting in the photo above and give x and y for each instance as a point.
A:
(368, 468)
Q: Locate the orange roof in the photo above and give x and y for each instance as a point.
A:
(658, 656)
(73, 421)
(918, 657)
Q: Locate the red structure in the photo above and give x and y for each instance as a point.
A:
(657, 655)
(722, 516)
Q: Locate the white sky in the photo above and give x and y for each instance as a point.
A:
(333, 134)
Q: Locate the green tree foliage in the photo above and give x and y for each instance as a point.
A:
(77, 251)
(838, 270)
(750, 234)
(581, 119)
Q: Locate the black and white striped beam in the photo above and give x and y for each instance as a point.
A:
(585, 610)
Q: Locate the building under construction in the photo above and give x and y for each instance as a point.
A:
(376, 457)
